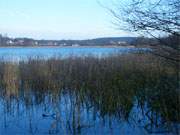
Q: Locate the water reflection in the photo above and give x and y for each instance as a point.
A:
(114, 95)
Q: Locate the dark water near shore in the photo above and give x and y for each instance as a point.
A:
(62, 116)
(128, 95)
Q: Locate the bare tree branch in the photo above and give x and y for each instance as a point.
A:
(153, 18)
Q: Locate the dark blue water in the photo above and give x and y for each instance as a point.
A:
(21, 119)
(21, 53)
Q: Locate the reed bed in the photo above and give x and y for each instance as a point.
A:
(111, 85)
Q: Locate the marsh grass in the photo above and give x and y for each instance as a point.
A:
(109, 85)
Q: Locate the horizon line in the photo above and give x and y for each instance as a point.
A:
(16, 37)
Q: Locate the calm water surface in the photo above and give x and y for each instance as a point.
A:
(21, 53)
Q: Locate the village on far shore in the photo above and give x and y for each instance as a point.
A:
(107, 41)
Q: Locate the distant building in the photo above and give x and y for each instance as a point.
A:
(63, 44)
(36, 43)
(55, 43)
(122, 43)
(75, 45)
(10, 42)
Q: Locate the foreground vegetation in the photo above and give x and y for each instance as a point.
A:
(112, 86)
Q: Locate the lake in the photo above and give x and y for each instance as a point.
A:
(129, 94)
(22, 53)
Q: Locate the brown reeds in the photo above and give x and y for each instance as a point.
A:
(110, 85)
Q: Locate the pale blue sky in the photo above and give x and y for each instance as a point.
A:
(56, 19)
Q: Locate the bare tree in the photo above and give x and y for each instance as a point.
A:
(159, 19)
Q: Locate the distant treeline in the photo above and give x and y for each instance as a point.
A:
(7, 41)
(168, 41)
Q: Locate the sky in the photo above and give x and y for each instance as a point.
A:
(57, 19)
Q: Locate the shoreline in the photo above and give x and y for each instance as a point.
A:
(97, 46)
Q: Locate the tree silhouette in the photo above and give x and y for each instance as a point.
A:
(158, 19)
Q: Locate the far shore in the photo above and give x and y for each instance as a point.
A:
(98, 46)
